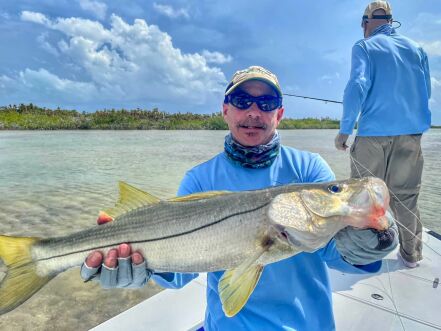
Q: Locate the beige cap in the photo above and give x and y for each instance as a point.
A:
(254, 72)
(374, 5)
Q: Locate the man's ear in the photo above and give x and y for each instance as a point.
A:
(224, 109)
(280, 113)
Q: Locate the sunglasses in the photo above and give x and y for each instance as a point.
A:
(244, 101)
(365, 19)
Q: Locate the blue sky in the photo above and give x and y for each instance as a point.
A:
(178, 55)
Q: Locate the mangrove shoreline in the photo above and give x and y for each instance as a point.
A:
(32, 117)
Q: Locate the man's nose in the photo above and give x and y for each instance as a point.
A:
(253, 111)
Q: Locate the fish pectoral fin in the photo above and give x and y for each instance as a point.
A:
(234, 290)
(130, 198)
(21, 280)
(199, 196)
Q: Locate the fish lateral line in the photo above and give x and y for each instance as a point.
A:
(154, 239)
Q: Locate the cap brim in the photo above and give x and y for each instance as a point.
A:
(267, 81)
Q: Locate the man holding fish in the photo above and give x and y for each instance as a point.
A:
(293, 292)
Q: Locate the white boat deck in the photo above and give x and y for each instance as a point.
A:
(394, 299)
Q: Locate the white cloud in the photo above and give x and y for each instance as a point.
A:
(216, 57)
(34, 17)
(330, 79)
(97, 8)
(43, 86)
(432, 48)
(5, 15)
(425, 26)
(46, 81)
(436, 91)
(123, 63)
(435, 82)
(5, 82)
(336, 56)
(169, 11)
(42, 40)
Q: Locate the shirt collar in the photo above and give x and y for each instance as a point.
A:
(386, 29)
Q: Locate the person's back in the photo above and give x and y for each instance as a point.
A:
(389, 87)
(399, 88)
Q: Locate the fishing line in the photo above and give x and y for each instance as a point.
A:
(313, 98)
(392, 297)
(353, 160)
(396, 198)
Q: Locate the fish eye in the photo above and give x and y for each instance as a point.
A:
(334, 188)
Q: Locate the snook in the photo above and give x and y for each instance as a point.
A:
(239, 232)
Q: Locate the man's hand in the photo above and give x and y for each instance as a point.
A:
(364, 246)
(340, 141)
(121, 268)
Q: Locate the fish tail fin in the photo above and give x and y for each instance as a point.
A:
(21, 280)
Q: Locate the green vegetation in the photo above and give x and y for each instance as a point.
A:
(31, 117)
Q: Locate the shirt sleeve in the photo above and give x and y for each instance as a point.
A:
(319, 170)
(427, 74)
(173, 280)
(334, 260)
(356, 89)
(188, 185)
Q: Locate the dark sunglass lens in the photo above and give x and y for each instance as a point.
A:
(268, 103)
(265, 102)
(241, 101)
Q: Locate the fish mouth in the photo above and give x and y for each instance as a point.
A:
(369, 206)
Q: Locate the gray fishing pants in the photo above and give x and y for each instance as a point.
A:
(397, 160)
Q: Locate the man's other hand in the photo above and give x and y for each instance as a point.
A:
(121, 268)
(340, 141)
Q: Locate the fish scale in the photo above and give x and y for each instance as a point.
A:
(239, 232)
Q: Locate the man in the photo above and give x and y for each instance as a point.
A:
(293, 294)
(390, 85)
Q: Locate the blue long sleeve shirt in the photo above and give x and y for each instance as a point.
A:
(292, 294)
(389, 86)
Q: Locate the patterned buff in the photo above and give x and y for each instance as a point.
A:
(256, 157)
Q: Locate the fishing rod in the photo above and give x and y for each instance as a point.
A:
(312, 98)
(398, 24)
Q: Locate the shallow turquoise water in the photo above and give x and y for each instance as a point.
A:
(53, 182)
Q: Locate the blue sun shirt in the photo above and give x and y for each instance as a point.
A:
(292, 294)
(389, 86)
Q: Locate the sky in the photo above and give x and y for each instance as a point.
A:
(179, 55)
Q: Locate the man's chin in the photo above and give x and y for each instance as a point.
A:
(251, 138)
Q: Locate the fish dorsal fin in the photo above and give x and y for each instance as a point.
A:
(236, 285)
(130, 198)
(199, 196)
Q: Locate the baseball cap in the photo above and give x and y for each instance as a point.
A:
(254, 73)
(374, 5)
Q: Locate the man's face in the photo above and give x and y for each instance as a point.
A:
(252, 127)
